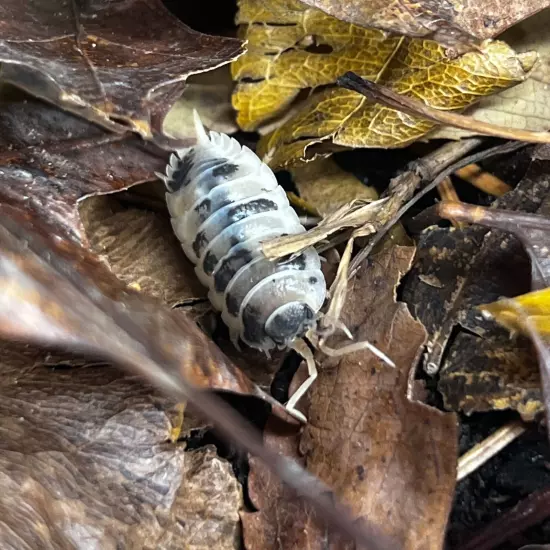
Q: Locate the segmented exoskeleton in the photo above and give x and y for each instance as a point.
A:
(224, 201)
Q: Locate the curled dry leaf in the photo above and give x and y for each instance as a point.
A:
(140, 248)
(460, 24)
(525, 106)
(271, 75)
(120, 64)
(55, 293)
(88, 446)
(326, 187)
(388, 458)
(456, 271)
(50, 160)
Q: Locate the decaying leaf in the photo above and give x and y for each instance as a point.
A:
(210, 94)
(280, 519)
(88, 447)
(457, 270)
(50, 160)
(326, 187)
(288, 45)
(531, 229)
(524, 106)
(388, 458)
(491, 373)
(53, 292)
(460, 23)
(120, 64)
(140, 247)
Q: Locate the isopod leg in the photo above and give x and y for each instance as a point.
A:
(302, 348)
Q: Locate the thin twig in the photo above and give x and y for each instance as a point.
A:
(476, 157)
(386, 96)
(527, 513)
(488, 448)
(484, 181)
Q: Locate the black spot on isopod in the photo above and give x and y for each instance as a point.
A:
(360, 472)
(200, 242)
(293, 321)
(229, 267)
(209, 263)
(241, 211)
(225, 170)
(233, 304)
(203, 209)
(180, 176)
(253, 330)
(313, 280)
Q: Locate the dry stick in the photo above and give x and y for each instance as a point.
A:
(488, 448)
(477, 157)
(527, 513)
(484, 181)
(386, 96)
(447, 192)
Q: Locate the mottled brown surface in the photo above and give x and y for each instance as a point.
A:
(54, 292)
(119, 63)
(49, 160)
(389, 459)
(141, 249)
(461, 23)
(454, 272)
(493, 373)
(85, 462)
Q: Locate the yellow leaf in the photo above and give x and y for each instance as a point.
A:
(292, 48)
(527, 105)
(532, 309)
(326, 187)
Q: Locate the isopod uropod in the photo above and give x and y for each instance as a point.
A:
(223, 202)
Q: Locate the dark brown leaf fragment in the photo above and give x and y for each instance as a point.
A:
(389, 459)
(454, 272)
(460, 24)
(50, 160)
(118, 63)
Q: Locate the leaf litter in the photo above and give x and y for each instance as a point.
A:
(119, 64)
(99, 275)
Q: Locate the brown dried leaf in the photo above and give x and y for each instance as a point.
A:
(53, 292)
(325, 186)
(280, 519)
(88, 446)
(120, 64)
(461, 23)
(141, 249)
(50, 160)
(388, 458)
(457, 270)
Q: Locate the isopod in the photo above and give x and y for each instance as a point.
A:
(223, 202)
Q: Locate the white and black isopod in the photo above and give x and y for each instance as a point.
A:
(223, 201)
